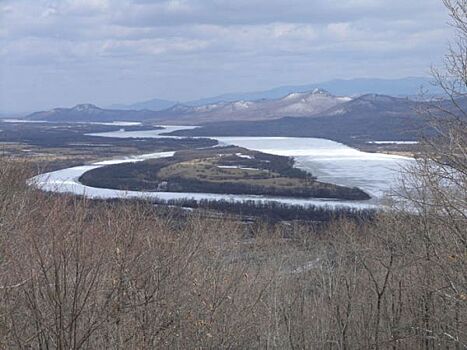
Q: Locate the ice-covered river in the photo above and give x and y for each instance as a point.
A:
(329, 161)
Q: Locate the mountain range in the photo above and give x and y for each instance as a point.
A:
(371, 116)
(155, 104)
(315, 113)
(403, 87)
(294, 105)
(366, 118)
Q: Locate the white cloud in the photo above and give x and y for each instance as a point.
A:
(84, 7)
(340, 30)
(177, 6)
(50, 11)
(150, 46)
(199, 46)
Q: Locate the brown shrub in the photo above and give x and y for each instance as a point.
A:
(75, 274)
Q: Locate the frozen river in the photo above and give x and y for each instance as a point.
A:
(328, 160)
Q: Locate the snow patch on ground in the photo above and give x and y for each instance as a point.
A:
(393, 142)
(246, 156)
(236, 167)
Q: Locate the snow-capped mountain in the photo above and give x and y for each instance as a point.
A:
(374, 103)
(403, 87)
(301, 104)
(368, 117)
(298, 104)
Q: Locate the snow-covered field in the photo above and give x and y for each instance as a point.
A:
(329, 161)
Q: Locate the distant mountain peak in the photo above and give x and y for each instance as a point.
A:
(319, 91)
(305, 94)
(378, 98)
(374, 103)
(293, 95)
(90, 112)
(154, 104)
(84, 107)
(242, 104)
(180, 107)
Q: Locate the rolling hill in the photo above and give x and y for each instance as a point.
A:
(90, 113)
(402, 87)
(309, 114)
(295, 105)
(154, 104)
(369, 117)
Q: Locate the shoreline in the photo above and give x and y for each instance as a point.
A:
(311, 155)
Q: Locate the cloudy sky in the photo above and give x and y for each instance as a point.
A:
(64, 52)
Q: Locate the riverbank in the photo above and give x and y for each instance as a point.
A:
(329, 161)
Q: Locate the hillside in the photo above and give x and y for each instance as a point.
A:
(294, 105)
(369, 117)
(409, 86)
(90, 112)
(154, 104)
(309, 114)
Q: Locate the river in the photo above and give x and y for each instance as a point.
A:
(330, 161)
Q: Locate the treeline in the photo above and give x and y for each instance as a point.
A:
(133, 177)
(312, 190)
(275, 211)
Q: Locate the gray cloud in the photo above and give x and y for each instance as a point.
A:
(62, 52)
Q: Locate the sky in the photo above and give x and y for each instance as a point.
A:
(64, 52)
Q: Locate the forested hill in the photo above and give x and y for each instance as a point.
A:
(369, 117)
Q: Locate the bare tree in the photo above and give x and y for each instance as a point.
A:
(436, 188)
